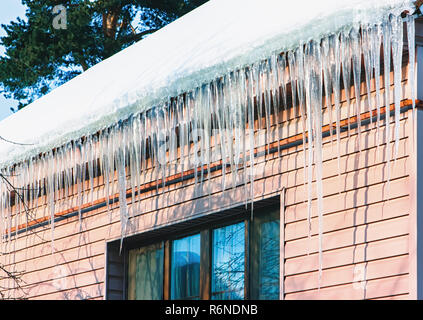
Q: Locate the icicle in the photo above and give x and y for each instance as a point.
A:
(397, 44)
(367, 46)
(207, 133)
(9, 208)
(411, 65)
(258, 93)
(18, 201)
(236, 124)
(356, 58)
(191, 97)
(229, 121)
(308, 84)
(121, 161)
(196, 138)
(79, 178)
(83, 171)
(334, 54)
(162, 147)
(65, 165)
(143, 150)
(231, 109)
(218, 111)
(50, 192)
(131, 145)
(105, 164)
(376, 37)
(186, 122)
(386, 71)
(275, 97)
(316, 102)
(38, 181)
(60, 179)
(282, 78)
(137, 154)
(56, 175)
(266, 93)
(244, 114)
(346, 71)
(139, 132)
(155, 115)
(95, 156)
(32, 178)
(326, 62)
(299, 57)
(292, 63)
(251, 130)
(214, 100)
(89, 158)
(27, 192)
(201, 122)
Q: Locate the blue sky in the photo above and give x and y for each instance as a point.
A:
(9, 10)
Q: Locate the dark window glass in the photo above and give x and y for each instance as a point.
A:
(265, 256)
(219, 262)
(228, 262)
(145, 276)
(185, 270)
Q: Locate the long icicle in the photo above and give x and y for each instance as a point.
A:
(335, 58)
(121, 161)
(346, 71)
(250, 104)
(299, 57)
(397, 44)
(356, 58)
(376, 37)
(316, 102)
(411, 65)
(326, 61)
(386, 72)
(308, 53)
(367, 54)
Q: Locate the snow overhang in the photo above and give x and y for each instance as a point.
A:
(206, 43)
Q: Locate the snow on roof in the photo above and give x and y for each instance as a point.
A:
(211, 40)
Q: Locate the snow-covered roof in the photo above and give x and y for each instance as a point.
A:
(211, 40)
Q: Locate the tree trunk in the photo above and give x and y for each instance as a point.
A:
(110, 25)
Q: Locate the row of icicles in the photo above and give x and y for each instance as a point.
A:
(214, 123)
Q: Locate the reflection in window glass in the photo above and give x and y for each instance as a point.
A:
(265, 256)
(185, 271)
(228, 262)
(145, 278)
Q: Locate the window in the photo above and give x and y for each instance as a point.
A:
(145, 275)
(235, 259)
(185, 270)
(265, 257)
(228, 262)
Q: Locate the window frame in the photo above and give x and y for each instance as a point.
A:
(205, 230)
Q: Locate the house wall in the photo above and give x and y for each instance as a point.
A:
(366, 242)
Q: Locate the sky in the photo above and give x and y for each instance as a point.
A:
(9, 10)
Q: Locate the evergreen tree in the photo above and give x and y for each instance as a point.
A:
(51, 46)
